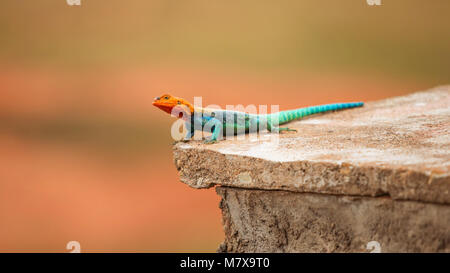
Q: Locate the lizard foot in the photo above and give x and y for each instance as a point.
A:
(210, 141)
(287, 130)
(180, 141)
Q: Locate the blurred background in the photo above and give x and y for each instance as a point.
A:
(84, 155)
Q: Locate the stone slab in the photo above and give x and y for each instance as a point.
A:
(398, 147)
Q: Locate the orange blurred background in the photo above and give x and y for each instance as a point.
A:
(85, 157)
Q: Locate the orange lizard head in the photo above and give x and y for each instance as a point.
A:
(167, 102)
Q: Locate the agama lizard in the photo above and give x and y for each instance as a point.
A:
(223, 122)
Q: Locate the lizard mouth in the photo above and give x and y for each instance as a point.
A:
(163, 106)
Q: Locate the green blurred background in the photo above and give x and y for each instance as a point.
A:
(85, 157)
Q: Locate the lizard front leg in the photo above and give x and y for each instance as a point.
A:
(190, 130)
(216, 129)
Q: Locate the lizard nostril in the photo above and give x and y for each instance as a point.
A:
(157, 98)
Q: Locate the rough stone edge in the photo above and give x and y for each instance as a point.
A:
(331, 231)
(203, 168)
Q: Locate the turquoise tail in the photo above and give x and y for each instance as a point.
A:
(290, 115)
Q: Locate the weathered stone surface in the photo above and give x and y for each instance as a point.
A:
(398, 147)
(281, 221)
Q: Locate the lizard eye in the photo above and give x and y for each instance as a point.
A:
(166, 97)
(179, 102)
